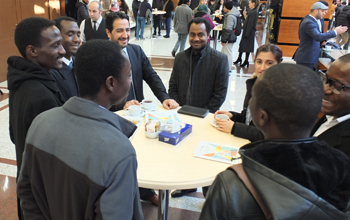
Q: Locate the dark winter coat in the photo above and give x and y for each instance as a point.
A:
(32, 91)
(248, 35)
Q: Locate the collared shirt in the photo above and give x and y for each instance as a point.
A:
(331, 122)
(82, 27)
(66, 61)
(319, 24)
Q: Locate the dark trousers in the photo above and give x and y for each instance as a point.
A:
(309, 65)
(146, 193)
(157, 24)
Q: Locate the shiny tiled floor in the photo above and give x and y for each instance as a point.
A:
(158, 50)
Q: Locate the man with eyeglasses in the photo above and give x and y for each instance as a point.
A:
(334, 127)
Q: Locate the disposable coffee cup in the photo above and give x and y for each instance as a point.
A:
(134, 110)
(147, 104)
(222, 116)
(156, 9)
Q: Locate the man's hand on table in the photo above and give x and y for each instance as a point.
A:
(170, 104)
(130, 103)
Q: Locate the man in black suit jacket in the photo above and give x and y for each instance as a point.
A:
(118, 31)
(334, 127)
(65, 77)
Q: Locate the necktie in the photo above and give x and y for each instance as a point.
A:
(71, 64)
(131, 95)
(95, 26)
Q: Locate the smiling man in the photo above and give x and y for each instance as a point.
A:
(201, 67)
(200, 75)
(65, 77)
(118, 31)
(32, 88)
(334, 127)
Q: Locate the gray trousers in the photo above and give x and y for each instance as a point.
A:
(228, 50)
(181, 42)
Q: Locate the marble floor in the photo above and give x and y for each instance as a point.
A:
(158, 51)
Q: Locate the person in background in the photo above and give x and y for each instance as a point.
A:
(296, 176)
(343, 20)
(93, 27)
(157, 19)
(211, 4)
(202, 2)
(219, 14)
(244, 6)
(346, 45)
(168, 8)
(135, 8)
(241, 124)
(310, 36)
(82, 11)
(182, 17)
(248, 36)
(123, 6)
(228, 35)
(141, 19)
(202, 12)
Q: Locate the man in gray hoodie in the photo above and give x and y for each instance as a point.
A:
(182, 17)
(228, 36)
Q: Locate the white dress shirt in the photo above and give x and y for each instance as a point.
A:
(331, 122)
(82, 27)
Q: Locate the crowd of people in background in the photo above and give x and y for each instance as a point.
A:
(298, 164)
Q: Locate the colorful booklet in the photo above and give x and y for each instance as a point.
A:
(217, 152)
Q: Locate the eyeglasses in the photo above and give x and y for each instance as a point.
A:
(335, 86)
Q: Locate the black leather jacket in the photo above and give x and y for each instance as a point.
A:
(291, 189)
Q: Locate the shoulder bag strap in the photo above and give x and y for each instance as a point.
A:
(238, 168)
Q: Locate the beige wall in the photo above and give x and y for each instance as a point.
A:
(13, 11)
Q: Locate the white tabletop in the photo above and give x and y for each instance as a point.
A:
(158, 12)
(165, 166)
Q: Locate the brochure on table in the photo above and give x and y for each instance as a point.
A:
(217, 152)
(169, 117)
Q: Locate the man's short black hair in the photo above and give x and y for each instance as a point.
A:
(111, 17)
(60, 19)
(95, 61)
(28, 32)
(200, 21)
(291, 94)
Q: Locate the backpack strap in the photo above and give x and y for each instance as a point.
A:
(238, 168)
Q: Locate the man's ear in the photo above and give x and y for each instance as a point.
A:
(110, 83)
(264, 118)
(31, 51)
(108, 33)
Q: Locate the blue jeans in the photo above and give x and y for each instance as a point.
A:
(167, 26)
(181, 41)
(141, 22)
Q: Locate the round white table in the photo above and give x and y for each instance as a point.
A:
(155, 13)
(164, 166)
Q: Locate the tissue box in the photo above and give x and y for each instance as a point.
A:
(175, 138)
